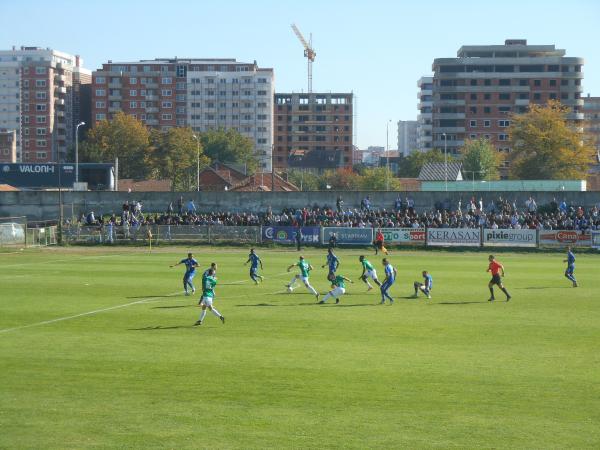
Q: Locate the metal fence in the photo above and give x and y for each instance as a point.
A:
(198, 234)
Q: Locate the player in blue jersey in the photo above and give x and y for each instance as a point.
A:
(190, 271)
(569, 273)
(254, 261)
(390, 278)
(425, 286)
(332, 263)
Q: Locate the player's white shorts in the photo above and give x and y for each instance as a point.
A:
(206, 301)
(304, 279)
(371, 274)
(338, 292)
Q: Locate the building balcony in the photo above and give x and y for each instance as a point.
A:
(575, 116)
(450, 102)
(451, 144)
(151, 85)
(115, 85)
(61, 125)
(573, 102)
(151, 97)
(152, 122)
(60, 78)
(450, 129)
(60, 89)
(60, 113)
(115, 97)
(151, 109)
(450, 116)
(114, 109)
(59, 101)
(522, 102)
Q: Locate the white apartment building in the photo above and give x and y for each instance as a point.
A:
(424, 129)
(407, 137)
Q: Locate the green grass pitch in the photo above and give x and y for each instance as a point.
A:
(97, 350)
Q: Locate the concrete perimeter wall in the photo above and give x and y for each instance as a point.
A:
(44, 205)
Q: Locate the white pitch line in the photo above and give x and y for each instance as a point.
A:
(74, 258)
(110, 308)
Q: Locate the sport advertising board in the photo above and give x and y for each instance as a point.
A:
(404, 235)
(463, 237)
(347, 235)
(509, 238)
(561, 238)
(287, 235)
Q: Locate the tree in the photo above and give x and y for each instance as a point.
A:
(545, 146)
(174, 155)
(480, 160)
(229, 146)
(378, 179)
(124, 137)
(410, 166)
(340, 180)
(306, 181)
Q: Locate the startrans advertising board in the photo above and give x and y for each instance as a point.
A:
(403, 235)
(347, 235)
(287, 235)
(561, 238)
(467, 237)
(509, 238)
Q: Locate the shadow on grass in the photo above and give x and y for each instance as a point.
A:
(458, 303)
(160, 327)
(173, 307)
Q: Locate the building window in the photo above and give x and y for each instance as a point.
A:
(133, 93)
(133, 104)
(473, 96)
(487, 123)
(100, 116)
(537, 83)
(100, 92)
(504, 96)
(40, 119)
(552, 82)
(473, 109)
(167, 104)
(166, 80)
(487, 96)
(504, 82)
(40, 95)
(473, 123)
(523, 82)
(503, 137)
(132, 80)
(40, 143)
(487, 82)
(100, 80)
(41, 155)
(40, 107)
(503, 123)
(473, 136)
(166, 92)
(40, 83)
(487, 110)
(537, 96)
(167, 117)
(40, 131)
(40, 70)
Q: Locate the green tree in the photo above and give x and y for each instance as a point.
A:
(410, 166)
(480, 160)
(546, 146)
(340, 180)
(305, 181)
(229, 146)
(379, 179)
(174, 155)
(124, 137)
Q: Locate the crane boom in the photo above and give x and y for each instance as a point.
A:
(309, 53)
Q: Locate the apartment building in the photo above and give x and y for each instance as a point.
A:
(407, 137)
(475, 93)
(36, 100)
(203, 94)
(591, 113)
(8, 146)
(425, 118)
(313, 131)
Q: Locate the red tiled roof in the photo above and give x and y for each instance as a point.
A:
(7, 188)
(126, 184)
(262, 182)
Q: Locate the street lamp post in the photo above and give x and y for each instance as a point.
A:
(77, 151)
(387, 153)
(445, 160)
(197, 162)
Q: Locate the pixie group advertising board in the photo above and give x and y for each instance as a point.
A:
(509, 238)
(560, 238)
(467, 237)
(287, 235)
(346, 235)
(404, 235)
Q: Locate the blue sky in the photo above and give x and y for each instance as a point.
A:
(377, 49)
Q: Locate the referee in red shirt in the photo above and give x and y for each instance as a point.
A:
(497, 270)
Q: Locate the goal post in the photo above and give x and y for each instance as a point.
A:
(596, 239)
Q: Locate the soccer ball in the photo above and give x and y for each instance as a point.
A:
(290, 289)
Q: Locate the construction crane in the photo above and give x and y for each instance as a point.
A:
(309, 53)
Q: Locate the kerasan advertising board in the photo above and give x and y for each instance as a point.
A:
(467, 237)
(509, 238)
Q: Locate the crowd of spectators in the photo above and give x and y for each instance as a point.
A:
(500, 213)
